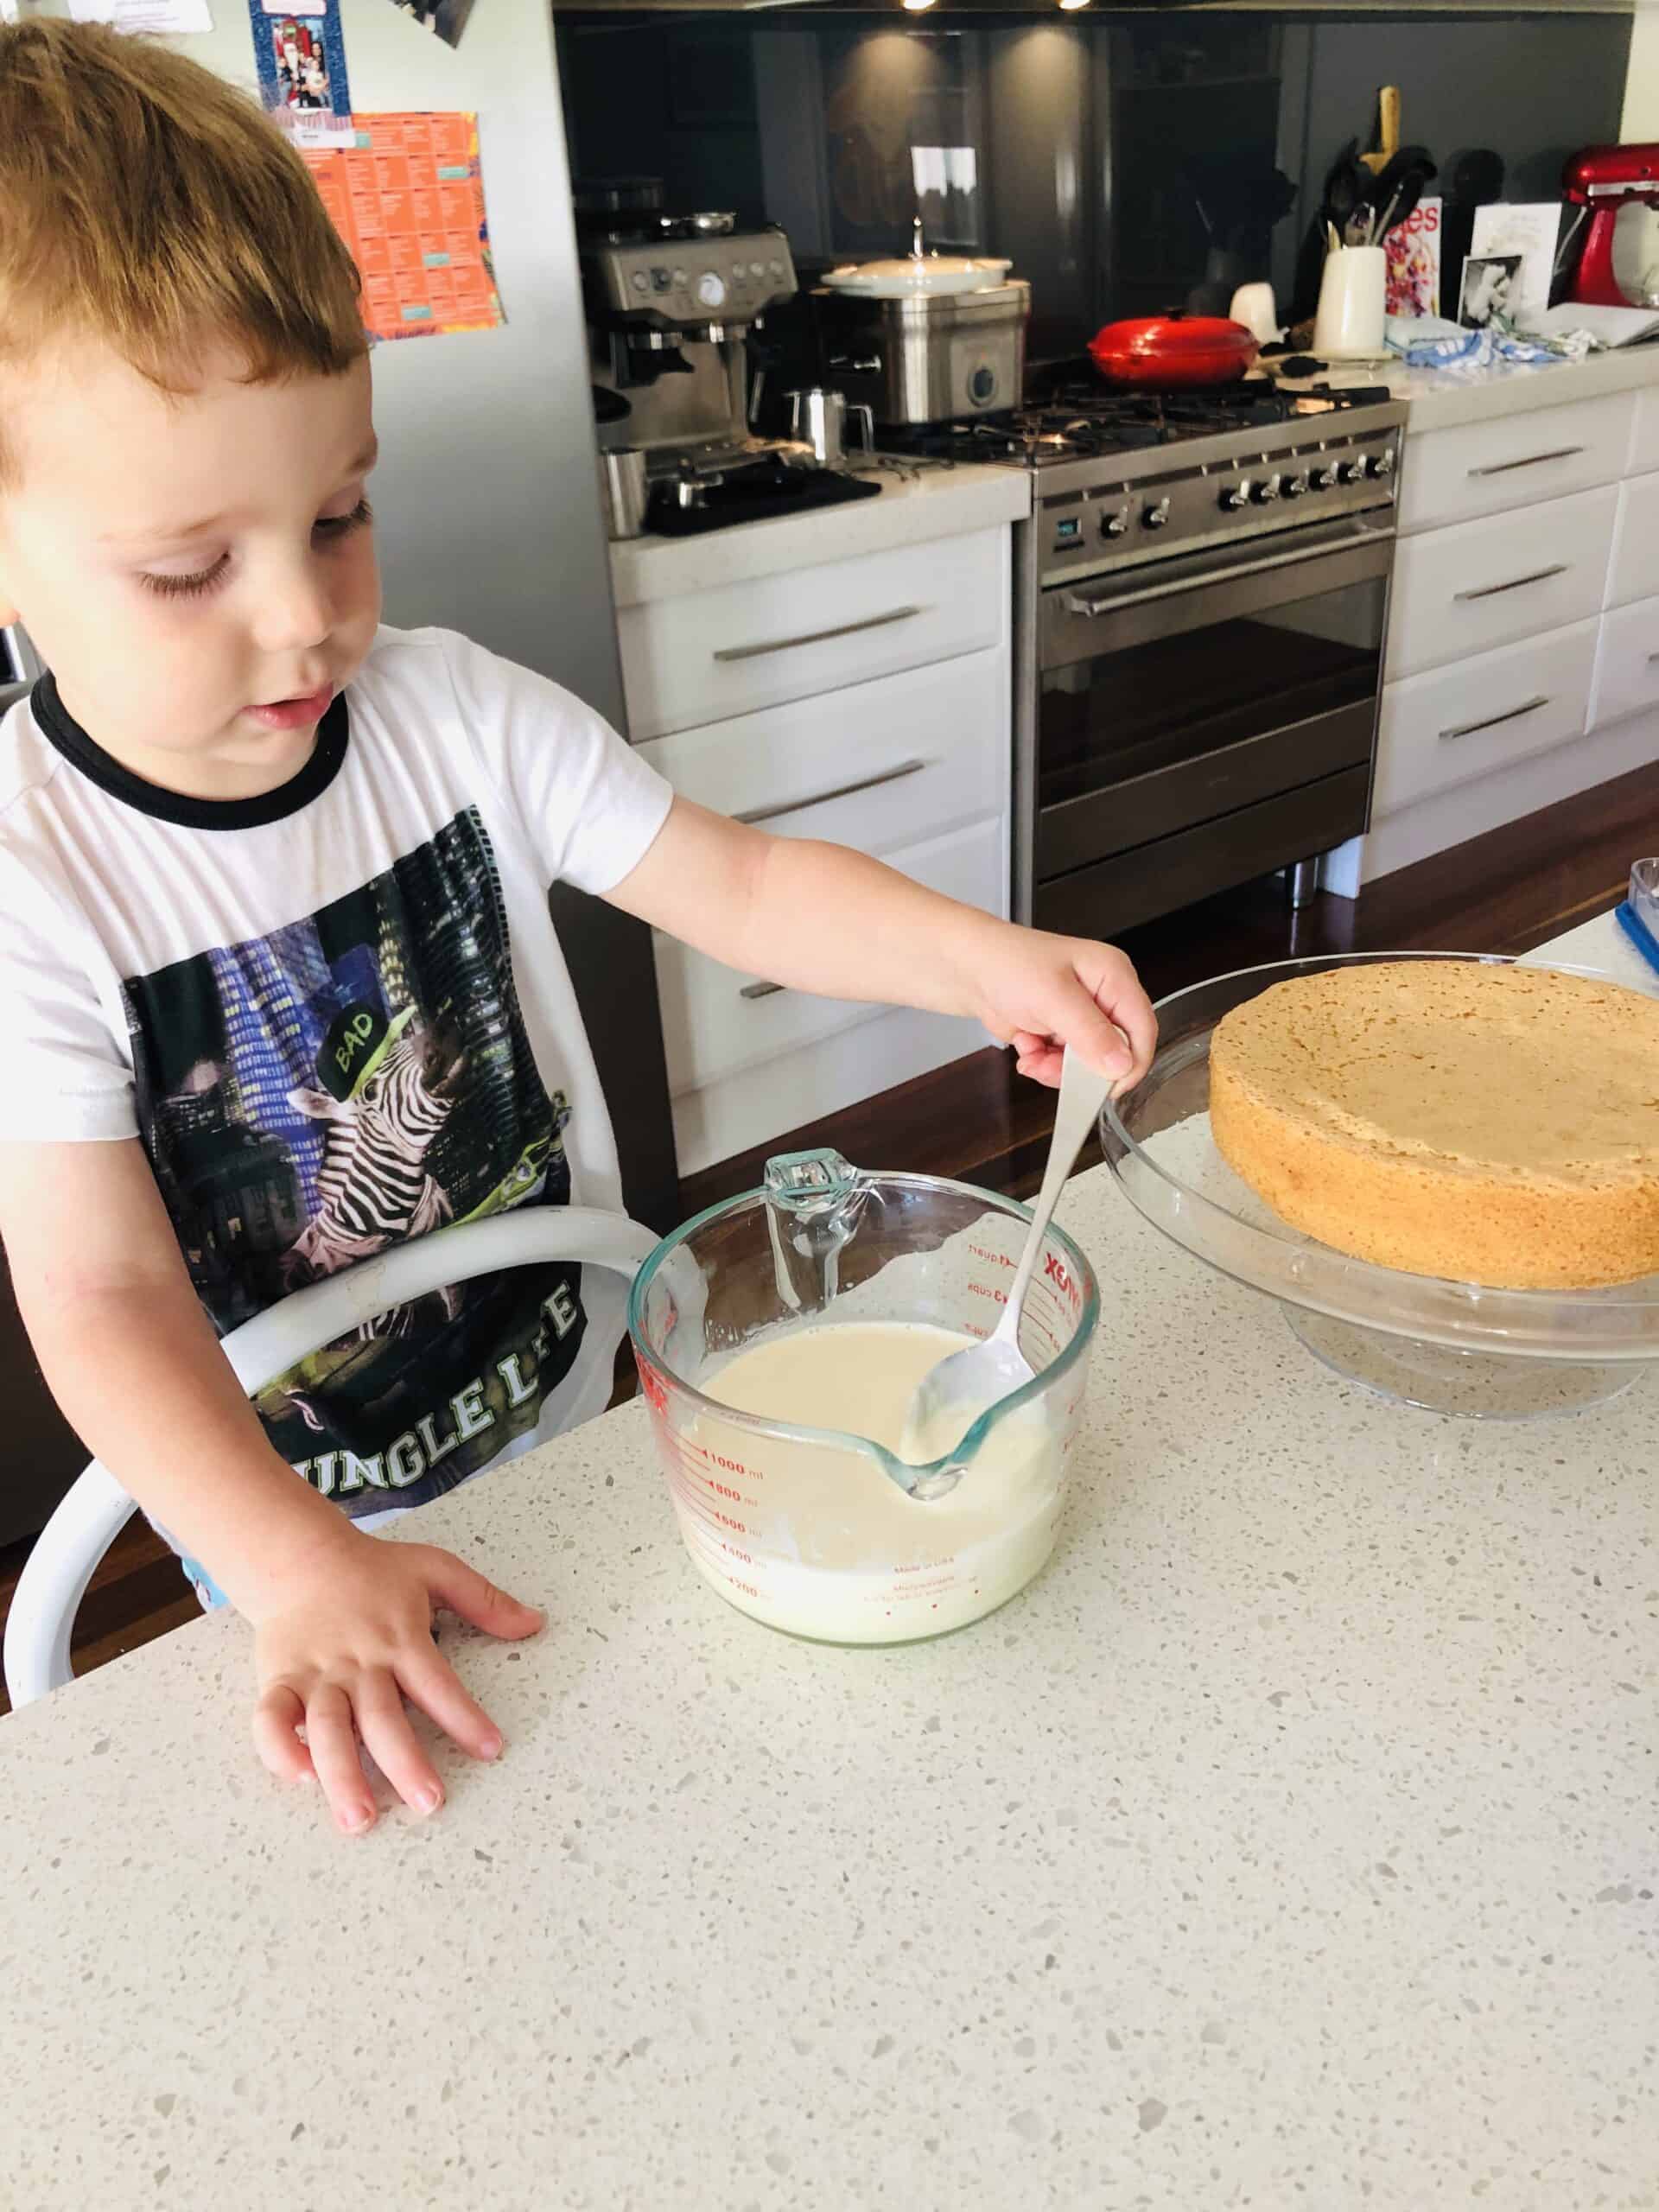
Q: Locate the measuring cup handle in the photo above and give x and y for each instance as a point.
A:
(864, 417)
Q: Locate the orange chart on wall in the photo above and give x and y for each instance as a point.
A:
(408, 199)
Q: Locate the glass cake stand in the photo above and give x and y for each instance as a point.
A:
(1449, 1347)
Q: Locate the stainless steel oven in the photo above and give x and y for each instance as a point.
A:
(1198, 655)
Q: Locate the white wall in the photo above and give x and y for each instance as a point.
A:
(1642, 85)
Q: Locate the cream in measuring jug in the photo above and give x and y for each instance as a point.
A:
(837, 1550)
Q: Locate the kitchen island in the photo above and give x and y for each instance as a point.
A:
(1292, 1839)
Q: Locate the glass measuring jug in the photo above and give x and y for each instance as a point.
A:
(816, 1530)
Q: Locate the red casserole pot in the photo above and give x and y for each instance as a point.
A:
(1174, 349)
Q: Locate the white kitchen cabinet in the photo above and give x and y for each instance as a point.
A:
(716, 1022)
(1484, 468)
(1523, 612)
(1627, 663)
(705, 656)
(1466, 589)
(878, 765)
(1634, 572)
(1644, 433)
(1451, 724)
(864, 701)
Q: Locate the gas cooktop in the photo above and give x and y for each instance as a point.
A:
(1069, 415)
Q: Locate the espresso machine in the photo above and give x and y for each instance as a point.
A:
(669, 300)
(1599, 182)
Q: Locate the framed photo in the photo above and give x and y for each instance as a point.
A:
(1489, 282)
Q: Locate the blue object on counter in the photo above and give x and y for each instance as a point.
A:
(1470, 349)
(1639, 934)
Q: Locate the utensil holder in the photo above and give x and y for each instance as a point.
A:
(1350, 322)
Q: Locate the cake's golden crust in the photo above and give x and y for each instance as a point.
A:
(1493, 1125)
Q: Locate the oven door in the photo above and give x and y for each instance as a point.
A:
(1204, 720)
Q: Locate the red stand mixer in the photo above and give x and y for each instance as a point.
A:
(1604, 179)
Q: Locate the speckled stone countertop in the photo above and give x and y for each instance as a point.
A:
(1292, 1840)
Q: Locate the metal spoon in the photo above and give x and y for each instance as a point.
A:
(950, 1397)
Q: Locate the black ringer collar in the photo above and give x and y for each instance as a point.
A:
(98, 767)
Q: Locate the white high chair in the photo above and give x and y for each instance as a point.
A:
(66, 1552)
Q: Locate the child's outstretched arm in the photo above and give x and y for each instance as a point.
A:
(342, 1622)
(823, 918)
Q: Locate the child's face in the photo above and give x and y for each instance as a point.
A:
(190, 568)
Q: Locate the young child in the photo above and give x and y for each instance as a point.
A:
(276, 972)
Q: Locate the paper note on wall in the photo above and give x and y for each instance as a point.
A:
(408, 199)
(167, 17)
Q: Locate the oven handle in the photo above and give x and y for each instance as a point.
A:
(1111, 602)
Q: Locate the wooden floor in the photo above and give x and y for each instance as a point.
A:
(1503, 892)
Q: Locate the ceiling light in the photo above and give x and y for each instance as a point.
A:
(1071, 6)
(917, 7)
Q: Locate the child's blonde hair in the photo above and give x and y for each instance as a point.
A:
(144, 202)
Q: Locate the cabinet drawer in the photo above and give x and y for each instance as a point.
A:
(1635, 571)
(1454, 724)
(715, 1021)
(1627, 663)
(1462, 591)
(1485, 469)
(712, 654)
(1644, 434)
(878, 765)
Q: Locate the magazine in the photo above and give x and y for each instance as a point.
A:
(1413, 248)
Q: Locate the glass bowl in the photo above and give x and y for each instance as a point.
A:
(1449, 1347)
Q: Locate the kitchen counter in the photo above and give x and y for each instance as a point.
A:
(909, 510)
(1292, 1839)
(1443, 399)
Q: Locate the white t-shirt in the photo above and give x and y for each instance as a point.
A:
(338, 1016)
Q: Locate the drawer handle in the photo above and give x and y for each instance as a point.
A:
(818, 636)
(1492, 722)
(1530, 461)
(1517, 583)
(761, 990)
(841, 791)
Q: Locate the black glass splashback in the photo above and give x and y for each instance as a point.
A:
(1125, 161)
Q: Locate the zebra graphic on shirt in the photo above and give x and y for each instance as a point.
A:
(373, 1181)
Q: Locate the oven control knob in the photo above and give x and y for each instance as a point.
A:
(1266, 491)
(1155, 517)
(1382, 464)
(1350, 472)
(1323, 478)
(1294, 487)
(1117, 523)
(1236, 496)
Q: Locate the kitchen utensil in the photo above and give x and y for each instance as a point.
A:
(953, 1395)
(1173, 350)
(1600, 180)
(818, 418)
(764, 1505)
(1349, 324)
(1455, 1348)
(1345, 182)
(1253, 307)
(622, 492)
(927, 356)
(916, 272)
(1387, 131)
